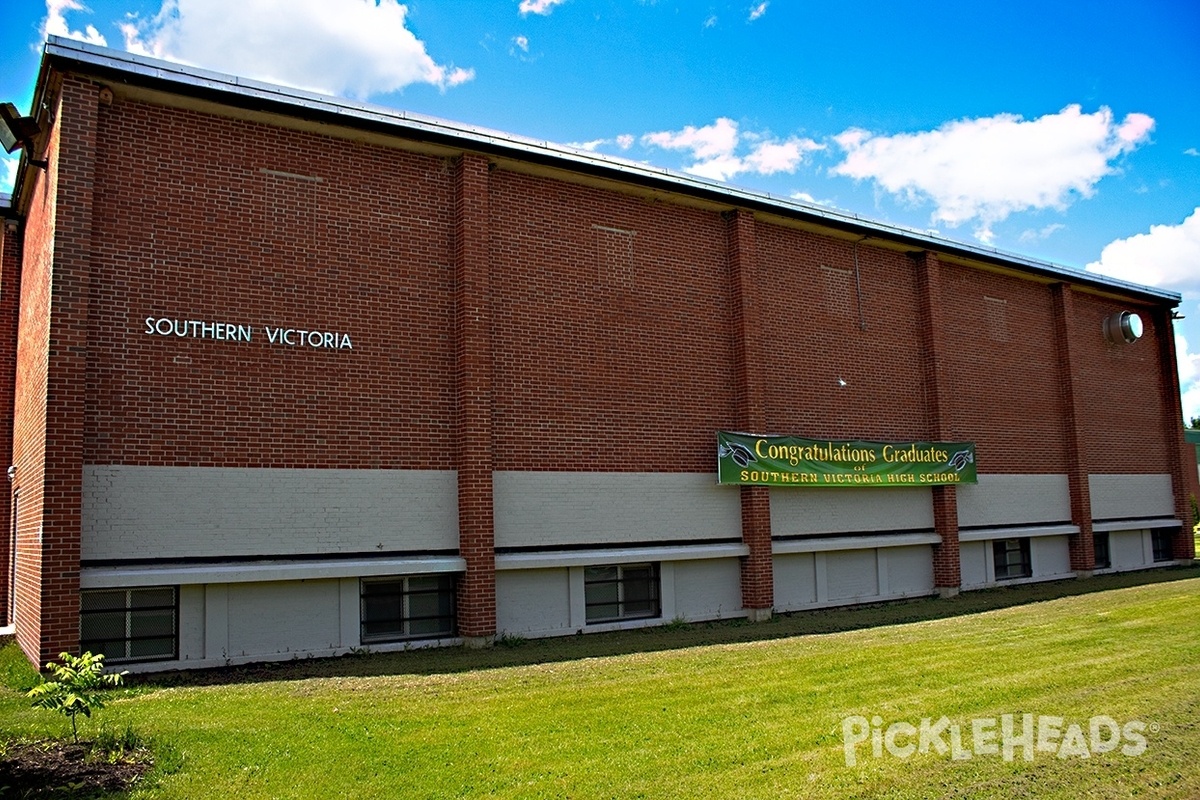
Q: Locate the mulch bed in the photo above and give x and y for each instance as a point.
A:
(66, 769)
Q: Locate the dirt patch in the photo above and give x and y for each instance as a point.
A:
(65, 769)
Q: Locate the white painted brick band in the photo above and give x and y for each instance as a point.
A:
(179, 512)
(1131, 496)
(539, 509)
(799, 510)
(1014, 500)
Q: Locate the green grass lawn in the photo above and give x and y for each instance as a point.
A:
(726, 710)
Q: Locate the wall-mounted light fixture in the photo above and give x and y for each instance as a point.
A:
(17, 132)
(1124, 327)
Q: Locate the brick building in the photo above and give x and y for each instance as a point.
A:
(289, 375)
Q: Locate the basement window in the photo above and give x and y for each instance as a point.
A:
(406, 607)
(1012, 559)
(622, 591)
(1160, 541)
(130, 624)
(1100, 548)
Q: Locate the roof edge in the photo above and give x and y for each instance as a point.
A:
(400, 123)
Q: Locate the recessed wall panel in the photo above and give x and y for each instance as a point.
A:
(183, 512)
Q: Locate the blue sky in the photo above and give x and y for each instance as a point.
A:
(1060, 130)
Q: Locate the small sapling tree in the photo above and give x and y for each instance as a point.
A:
(77, 687)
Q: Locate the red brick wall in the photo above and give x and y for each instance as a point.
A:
(612, 340)
(198, 223)
(813, 334)
(1002, 371)
(29, 404)
(10, 288)
(1122, 398)
(48, 417)
(598, 344)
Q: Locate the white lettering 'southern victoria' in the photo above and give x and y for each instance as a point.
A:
(229, 332)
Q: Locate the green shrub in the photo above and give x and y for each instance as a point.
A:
(77, 687)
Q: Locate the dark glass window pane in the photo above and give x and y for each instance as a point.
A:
(374, 588)
(108, 625)
(147, 598)
(110, 650)
(152, 648)
(425, 583)
(103, 601)
(379, 608)
(388, 628)
(598, 574)
(425, 627)
(151, 623)
(424, 605)
(600, 613)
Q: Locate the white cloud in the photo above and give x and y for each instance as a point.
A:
(55, 23)
(759, 10)
(711, 21)
(1191, 402)
(805, 197)
(1189, 377)
(1167, 256)
(1191, 151)
(711, 141)
(1189, 363)
(345, 47)
(521, 43)
(9, 163)
(543, 7)
(983, 170)
(767, 158)
(1039, 235)
(714, 149)
(624, 141)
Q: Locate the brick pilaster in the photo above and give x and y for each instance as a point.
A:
(758, 580)
(1180, 455)
(10, 288)
(1082, 546)
(50, 392)
(947, 564)
(473, 386)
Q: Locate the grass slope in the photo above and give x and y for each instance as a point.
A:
(709, 711)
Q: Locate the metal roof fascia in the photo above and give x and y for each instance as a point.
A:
(594, 163)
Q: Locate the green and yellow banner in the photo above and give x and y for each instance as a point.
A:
(744, 459)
